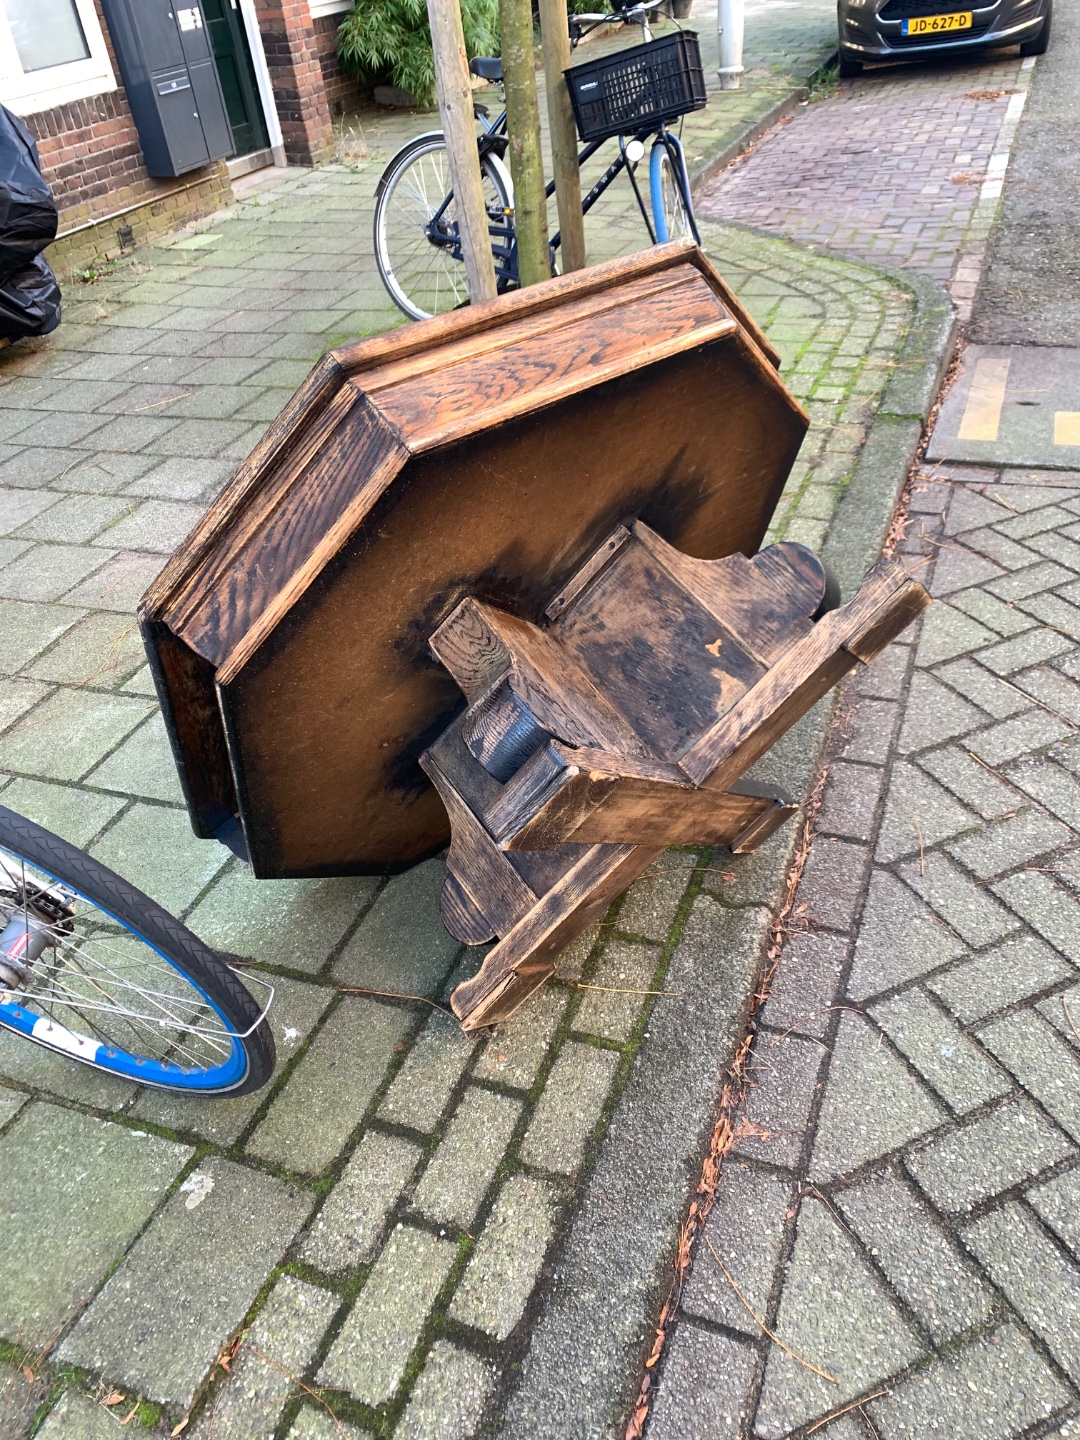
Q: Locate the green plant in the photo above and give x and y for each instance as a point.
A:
(388, 41)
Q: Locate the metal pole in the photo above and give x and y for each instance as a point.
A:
(555, 31)
(730, 23)
(459, 128)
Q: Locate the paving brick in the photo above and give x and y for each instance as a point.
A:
(624, 973)
(869, 728)
(312, 1424)
(849, 805)
(899, 939)
(920, 1260)
(76, 815)
(162, 1318)
(1025, 582)
(134, 845)
(834, 1313)
(652, 902)
(1058, 694)
(1058, 1205)
(1009, 739)
(934, 713)
(1063, 1012)
(1009, 972)
(1045, 1066)
(402, 944)
(705, 1387)
(885, 678)
(421, 1090)
(286, 1332)
(957, 567)
(1000, 847)
(504, 1268)
(47, 572)
(784, 1081)
(918, 814)
(1049, 785)
(448, 1400)
(11, 1102)
(381, 1331)
(569, 1107)
(1046, 907)
(519, 1046)
(347, 1230)
(959, 1072)
(69, 733)
(997, 697)
(468, 1155)
(118, 584)
(76, 519)
(746, 1231)
(1053, 610)
(17, 697)
(1037, 1280)
(946, 633)
(65, 1225)
(101, 651)
(54, 1075)
(178, 478)
(1031, 648)
(142, 764)
(1013, 1387)
(293, 923)
(335, 1080)
(19, 507)
(972, 913)
(991, 611)
(971, 781)
(831, 882)
(805, 984)
(963, 1167)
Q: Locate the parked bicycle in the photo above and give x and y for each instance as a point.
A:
(631, 96)
(92, 968)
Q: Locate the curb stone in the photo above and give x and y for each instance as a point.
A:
(608, 1279)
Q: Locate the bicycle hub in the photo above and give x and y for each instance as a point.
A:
(23, 939)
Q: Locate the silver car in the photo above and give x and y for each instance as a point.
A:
(877, 30)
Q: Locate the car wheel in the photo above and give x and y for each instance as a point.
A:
(848, 66)
(1042, 40)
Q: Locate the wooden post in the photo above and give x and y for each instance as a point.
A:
(459, 127)
(554, 27)
(523, 128)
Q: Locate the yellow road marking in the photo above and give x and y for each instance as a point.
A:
(982, 414)
(1067, 427)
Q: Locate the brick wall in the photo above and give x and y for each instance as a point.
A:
(342, 91)
(292, 57)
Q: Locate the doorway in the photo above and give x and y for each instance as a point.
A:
(232, 57)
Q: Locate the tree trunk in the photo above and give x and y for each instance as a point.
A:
(523, 128)
(556, 34)
(459, 127)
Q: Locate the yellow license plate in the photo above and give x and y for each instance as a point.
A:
(937, 24)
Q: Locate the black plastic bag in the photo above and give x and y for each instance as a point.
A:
(29, 301)
(28, 215)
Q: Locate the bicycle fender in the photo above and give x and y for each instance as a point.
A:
(504, 175)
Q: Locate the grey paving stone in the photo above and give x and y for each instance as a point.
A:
(180, 478)
(76, 519)
(17, 697)
(295, 1011)
(312, 1424)
(1009, 739)
(157, 525)
(162, 1318)
(422, 1087)
(1044, 1064)
(519, 1046)
(831, 883)
(1063, 1012)
(126, 433)
(998, 698)
(652, 902)
(705, 1387)
(286, 1332)
(118, 584)
(468, 1155)
(885, 678)
(834, 1313)
(991, 611)
(504, 1268)
(19, 507)
(957, 1069)
(988, 1155)
(899, 939)
(992, 1389)
(1011, 842)
(869, 728)
(1031, 648)
(56, 1075)
(934, 714)
(448, 1400)
(918, 814)
(347, 1229)
(1009, 972)
(65, 1225)
(1049, 785)
(946, 633)
(142, 764)
(969, 910)
(569, 1107)
(104, 473)
(11, 1102)
(1049, 686)
(75, 1417)
(335, 1082)
(1046, 907)
(872, 1103)
(957, 567)
(135, 845)
(849, 805)
(381, 1331)
(971, 781)
(623, 974)
(805, 984)
(292, 923)
(69, 733)
(1035, 1277)
(745, 1230)
(76, 815)
(401, 944)
(918, 1256)
(1028, 581)
(784, 1079)
(968, 511)
(101, 651)
(1058, 1205)
(1053, 610)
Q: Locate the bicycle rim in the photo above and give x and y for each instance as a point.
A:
(423, 278)
(671, 215)
(105, 994)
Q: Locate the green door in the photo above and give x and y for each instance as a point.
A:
(237, 75)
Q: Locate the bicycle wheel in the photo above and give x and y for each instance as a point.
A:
(669, 190)
(92, 968)
(413, 250)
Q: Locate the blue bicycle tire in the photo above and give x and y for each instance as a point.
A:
(668, 147)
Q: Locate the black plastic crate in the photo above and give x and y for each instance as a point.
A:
(620, 93)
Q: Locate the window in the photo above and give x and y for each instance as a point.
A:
(51, 52)
(328, 7)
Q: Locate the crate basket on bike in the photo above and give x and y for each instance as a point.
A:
(639, 86)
